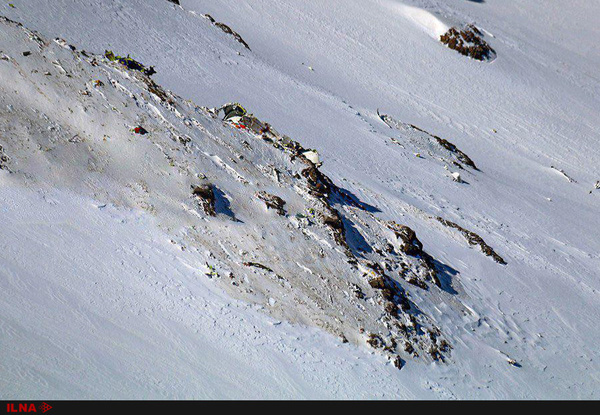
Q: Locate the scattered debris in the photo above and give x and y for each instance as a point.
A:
(140, 130)
(375, 299)
(233, 112)
(313, 156)
(130, 63)
(63, 43)
(212, 271)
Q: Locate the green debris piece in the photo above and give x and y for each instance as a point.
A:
(109, 55)
(129, 63)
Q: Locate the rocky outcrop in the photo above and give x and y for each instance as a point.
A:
(3, 159)
(227, 30)
(433, 145)
(205, 195)
(272, 202)
(474, 239)
(469, 42)
(410, 245)
(292, 264)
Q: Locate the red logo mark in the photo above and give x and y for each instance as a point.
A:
(44, 407)
(27, 407)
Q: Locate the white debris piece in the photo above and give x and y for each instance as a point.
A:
(313, 156)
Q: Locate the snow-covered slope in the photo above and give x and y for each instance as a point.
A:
(318, 74)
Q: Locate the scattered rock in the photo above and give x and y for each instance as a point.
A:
(375, 341)
(3, 159)
(452, 148)
(391, 309)
(272, 201)
(227, 30)
(474, 239)
(378, 283)
(206, 198)
(410, 244)
(257, 265)
(357, 291)
(565, 175)
(318, 184)
(398, 362)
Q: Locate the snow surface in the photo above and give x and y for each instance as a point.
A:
(113, 310)
(318, 73)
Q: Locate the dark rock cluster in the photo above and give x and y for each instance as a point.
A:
(468, 41)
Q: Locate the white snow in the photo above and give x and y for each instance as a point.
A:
(99, 304)
(429, 22)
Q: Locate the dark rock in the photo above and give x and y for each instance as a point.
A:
(319, 184)
(410, 244)
(272, 201)
(375, 341)
(206, 198)
(257, 265)
(398, 363)
(378, 283)
(391, 309)
(227, 30)
(474, 239)
(468, 42)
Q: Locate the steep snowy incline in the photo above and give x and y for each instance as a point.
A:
(528, 120)
(256, 215)
(113, 310)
